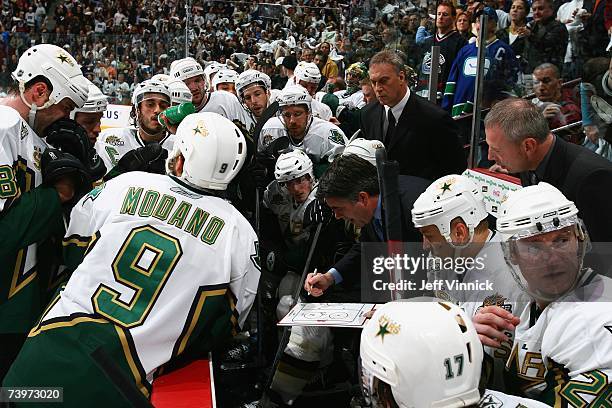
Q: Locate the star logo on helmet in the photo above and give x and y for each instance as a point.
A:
(446, 186)
(386, 326)
(200, 129)
(65, 58)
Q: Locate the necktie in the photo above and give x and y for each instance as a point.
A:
(533, 178)
(390, 128)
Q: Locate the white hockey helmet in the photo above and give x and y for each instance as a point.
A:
(364, 148)
(149, 86)
(179, 93)
(536, 210)
(185, 68)
(96, 101)
(212, 69)
(224, 76)
(213, 147)
(161, 78)
(59, 68)
(292, 165)
(252, 77)
(447, 198)
(294, 95)
(428, 353)
(307, 71)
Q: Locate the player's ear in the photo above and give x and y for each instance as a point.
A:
(177, 167)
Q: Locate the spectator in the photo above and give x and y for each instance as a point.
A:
(329, 68)
(546, 37)
(500, 72)
(463, 25)
(450, 42)
(549, 98)
(515, 34)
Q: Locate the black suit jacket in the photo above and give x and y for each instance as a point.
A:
(425, 142)
(410, 189)
(585, 178)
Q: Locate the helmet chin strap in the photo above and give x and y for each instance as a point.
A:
(32, 106)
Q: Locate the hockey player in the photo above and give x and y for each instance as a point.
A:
(224, 103)
(179, 93)
(562, 352)
(352, 96)
(425, 354)
(287, 198)
(170, 268)
(253, 88)
(148, 101)
(191, 73)
(90, 115)
(225, 80)
(308, 76)
(48, 86)
(211, 70)
(320, 139)
(452, 219)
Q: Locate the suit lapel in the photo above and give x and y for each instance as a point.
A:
(381, 123)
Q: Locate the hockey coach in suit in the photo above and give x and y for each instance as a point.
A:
(418, 134)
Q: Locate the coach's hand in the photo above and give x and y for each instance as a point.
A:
(317, 283)
(490, 323)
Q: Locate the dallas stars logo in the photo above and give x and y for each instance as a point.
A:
(65, 58)
(200, 129)
(386, 326)
(446, 186)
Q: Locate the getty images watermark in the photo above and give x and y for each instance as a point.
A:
(406, 264)
(411, 272)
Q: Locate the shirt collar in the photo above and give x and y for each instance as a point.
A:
(378, 211)
(399, 107)
(539, 171)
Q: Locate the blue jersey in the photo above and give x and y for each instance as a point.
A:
(501, 71)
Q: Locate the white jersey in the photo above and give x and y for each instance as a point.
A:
(113, 143)
(320, 110)
(158, 249)
(289, 213)
(564, 356)
(323, 140)
(20, 154)
(498, 289)
(496, 399)
(227, 105)
(351, 100)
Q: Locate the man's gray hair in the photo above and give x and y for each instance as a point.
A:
(518, 119)
(388, 57)
(548, 65)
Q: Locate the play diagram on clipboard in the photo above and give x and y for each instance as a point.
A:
(327, 314)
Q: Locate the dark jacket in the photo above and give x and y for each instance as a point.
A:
(547, 43)
(585, 178)
(410, 189)
(425, 142)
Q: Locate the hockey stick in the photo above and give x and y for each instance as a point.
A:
(388, 172)
(296, 294)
